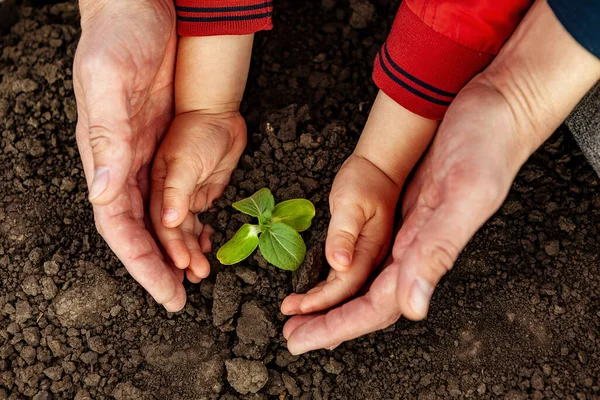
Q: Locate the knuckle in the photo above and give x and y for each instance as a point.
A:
(387, 313)
(103, 140)
(490, 192)
(90, 64)
(100, 140)
(171, 193)
(342, 198)
(351, 289)
(441, 255)
(343, 237)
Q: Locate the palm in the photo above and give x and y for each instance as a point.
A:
(126, 57)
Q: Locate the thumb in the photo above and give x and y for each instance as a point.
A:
(347, 222)
(110, 140)
(431, 239)
(178, 184)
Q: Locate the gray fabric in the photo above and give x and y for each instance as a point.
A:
(584, 122)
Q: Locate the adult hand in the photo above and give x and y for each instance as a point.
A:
(492, 127)
(123, 80)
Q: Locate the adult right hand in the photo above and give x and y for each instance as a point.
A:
(123, 80)
(495, 123)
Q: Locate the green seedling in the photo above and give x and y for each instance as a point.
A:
(276, 234)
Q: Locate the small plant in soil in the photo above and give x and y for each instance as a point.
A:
(276, 234)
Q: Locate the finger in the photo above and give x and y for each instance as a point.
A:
(179, 185)
(299, 320)
(205, 238)
(135, 247)
(189, 274)
(431, 239)
(109, 136)
(347, 221)
(198, 263)
(371, 312)
(178, 301)
(294, 322)
(291, 304)
(179, 273)
(370, 249)
(339, 286)
(172, 239)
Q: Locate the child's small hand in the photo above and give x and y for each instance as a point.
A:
(191, 169)
(362, 203)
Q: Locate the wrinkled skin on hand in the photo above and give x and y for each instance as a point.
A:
(123, 80)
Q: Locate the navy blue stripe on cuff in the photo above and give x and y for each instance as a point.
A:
(224, 18)
(224, 9)
(407, 86)
(416, 80)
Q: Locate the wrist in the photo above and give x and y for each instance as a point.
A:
(394, 139)
(89, 9)
(212, 72)
(540, 74)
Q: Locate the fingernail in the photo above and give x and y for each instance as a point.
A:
(170, 215)
(342, 257)
(420, 295)
(100, 182)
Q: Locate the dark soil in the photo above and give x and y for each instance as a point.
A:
(518, 317)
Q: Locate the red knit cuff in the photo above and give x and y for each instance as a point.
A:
(423, 70)
(223, 17)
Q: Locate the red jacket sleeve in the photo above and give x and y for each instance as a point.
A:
(222, 17)
(436, 46)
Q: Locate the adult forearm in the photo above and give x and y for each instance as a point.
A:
(541, 73)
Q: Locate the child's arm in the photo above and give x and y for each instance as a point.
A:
(211, 73)
(194, 162)
(207, 137)
(394, 138)
(363, 200)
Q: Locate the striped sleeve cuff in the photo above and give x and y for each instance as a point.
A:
(423, 70)
(223, 17)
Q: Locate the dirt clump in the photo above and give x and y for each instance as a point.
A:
(226, 300)
(82, 304)
(254, 331)
(246, 376)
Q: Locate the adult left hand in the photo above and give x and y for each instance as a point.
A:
(495, 123)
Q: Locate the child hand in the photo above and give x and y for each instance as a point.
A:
(191, 169)
(362, 203)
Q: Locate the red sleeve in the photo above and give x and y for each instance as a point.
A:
(436, 46)
(222, 17)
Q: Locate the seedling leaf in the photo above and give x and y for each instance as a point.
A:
(297, 213)
(282, 246)
(240, 246)
(256, 205)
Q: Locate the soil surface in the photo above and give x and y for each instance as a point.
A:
(518, 317)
